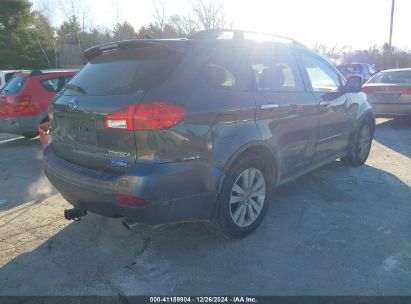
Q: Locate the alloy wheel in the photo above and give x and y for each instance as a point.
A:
(247, 197)
(364, 142)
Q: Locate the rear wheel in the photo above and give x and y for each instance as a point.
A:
(243, 200)
(362, 145)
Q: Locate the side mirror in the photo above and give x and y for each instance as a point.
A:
(354, 84)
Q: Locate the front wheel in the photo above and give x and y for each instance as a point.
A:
(362, 145)
(243, 200)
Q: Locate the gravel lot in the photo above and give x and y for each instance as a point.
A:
(336, 231)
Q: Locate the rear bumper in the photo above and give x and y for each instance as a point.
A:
(177, 192)
(391, 110)
(19, 125)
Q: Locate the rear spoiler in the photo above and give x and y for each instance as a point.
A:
(176, 45)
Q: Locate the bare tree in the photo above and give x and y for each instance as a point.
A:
(159, 15)
(183, 25)
(79, 10)
(47, 9)
(117, 11)
(210, 14)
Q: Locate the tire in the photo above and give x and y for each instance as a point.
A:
(241, 207)
(362, 145)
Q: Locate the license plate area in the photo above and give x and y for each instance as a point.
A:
(81, 131)
(387, 96)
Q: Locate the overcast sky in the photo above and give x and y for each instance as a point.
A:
(358, 23)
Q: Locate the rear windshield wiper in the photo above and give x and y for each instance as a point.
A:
(76, 88)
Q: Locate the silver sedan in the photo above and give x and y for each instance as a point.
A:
(389, 93)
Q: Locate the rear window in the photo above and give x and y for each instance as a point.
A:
(393, 77)
(15, 84)
(352, 68)
(126, 71)
(8, 76)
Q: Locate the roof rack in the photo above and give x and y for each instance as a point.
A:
(240, 35)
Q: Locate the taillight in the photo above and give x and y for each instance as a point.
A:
(50, 111)
(366, 90)
(131, 201)
(407, 91)
(146, 116)
(21, 102)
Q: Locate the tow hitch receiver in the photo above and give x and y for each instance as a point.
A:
(74, 214)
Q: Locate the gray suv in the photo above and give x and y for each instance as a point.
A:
(363, 70)
(200, 129)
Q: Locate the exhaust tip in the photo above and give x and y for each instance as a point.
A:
(74, 214)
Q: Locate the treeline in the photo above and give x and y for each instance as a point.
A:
(381, 56)
(28, 40)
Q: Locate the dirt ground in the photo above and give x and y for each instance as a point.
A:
(336, 231)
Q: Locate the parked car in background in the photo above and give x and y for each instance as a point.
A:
(389, 93)
(5, 77)
(25, 98)
(157, 131)
(363, 70)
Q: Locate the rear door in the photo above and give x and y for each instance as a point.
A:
(108, 83)
(336, 123)
(286, 113)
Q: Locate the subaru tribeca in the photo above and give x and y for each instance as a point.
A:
(159, 131)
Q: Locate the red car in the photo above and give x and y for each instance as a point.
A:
(25, 98)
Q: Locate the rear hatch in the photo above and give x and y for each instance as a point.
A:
(351, 70)
(8, 96)
(114, 79)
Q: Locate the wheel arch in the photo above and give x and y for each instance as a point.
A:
(254, 148)
(367, 115)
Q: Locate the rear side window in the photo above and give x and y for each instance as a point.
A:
(322, 77)
(127, 71)
(275, 71)
(65, 80)
(55, 84)
(15, 84)
(51, 85)
(228, 69)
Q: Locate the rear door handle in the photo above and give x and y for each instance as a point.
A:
(324, 103)
(269, 106)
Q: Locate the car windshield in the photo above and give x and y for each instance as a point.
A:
(393, 77)
(125, 71)
(14, 85)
